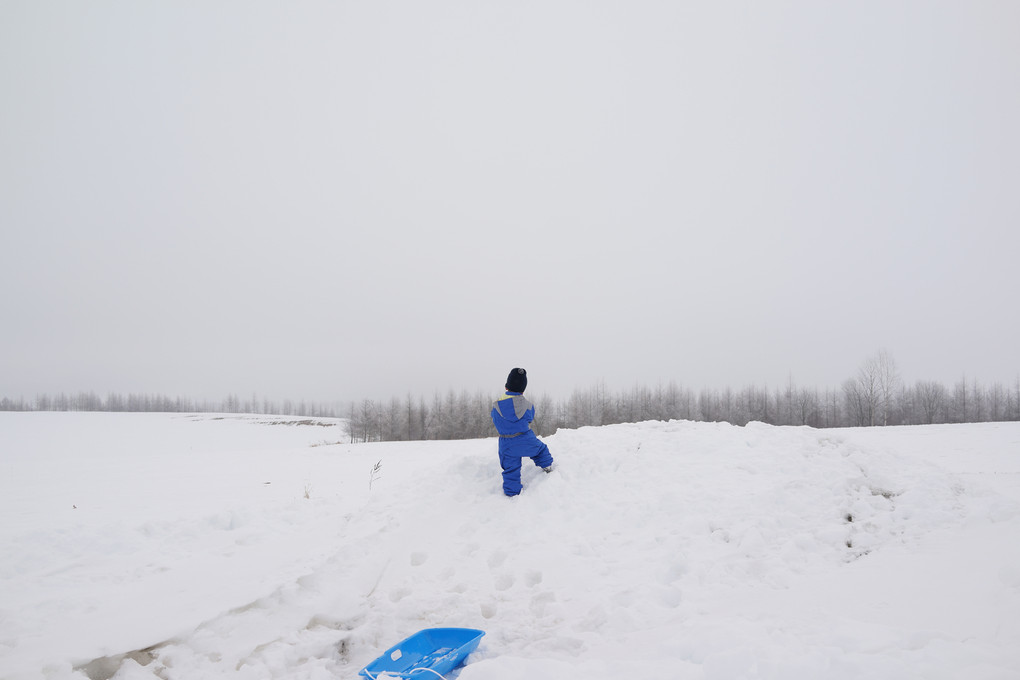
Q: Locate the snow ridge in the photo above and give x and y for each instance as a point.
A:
(655, 550)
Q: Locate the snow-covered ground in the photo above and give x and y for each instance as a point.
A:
(141, 546)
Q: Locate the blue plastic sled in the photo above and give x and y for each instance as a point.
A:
(429, 653)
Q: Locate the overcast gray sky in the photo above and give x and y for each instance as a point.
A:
(338, 200)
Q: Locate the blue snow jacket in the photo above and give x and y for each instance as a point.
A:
(512, 414)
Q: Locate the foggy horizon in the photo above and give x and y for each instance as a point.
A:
(343, 201)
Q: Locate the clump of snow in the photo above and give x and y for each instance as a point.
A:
(142, 546)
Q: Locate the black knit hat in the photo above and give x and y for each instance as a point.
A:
(517, 381)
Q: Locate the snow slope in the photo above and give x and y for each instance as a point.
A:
(140, 546)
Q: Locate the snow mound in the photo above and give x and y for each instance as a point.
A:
(164, 546)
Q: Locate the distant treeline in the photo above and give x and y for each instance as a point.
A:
(156, 403)
(859, 402)
(874, 396)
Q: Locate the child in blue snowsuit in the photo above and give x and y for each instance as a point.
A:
(512, 415)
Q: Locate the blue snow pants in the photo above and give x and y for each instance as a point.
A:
(511, 452)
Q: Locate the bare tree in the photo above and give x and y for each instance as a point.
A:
(888, 377)
(931, 399)
(710, 406)
(997, 402)
(960, 407)
(977, 399)
(1016, 400)
(870, 396)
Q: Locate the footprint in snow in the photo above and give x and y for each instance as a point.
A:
(497, 558)
(504, 582)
